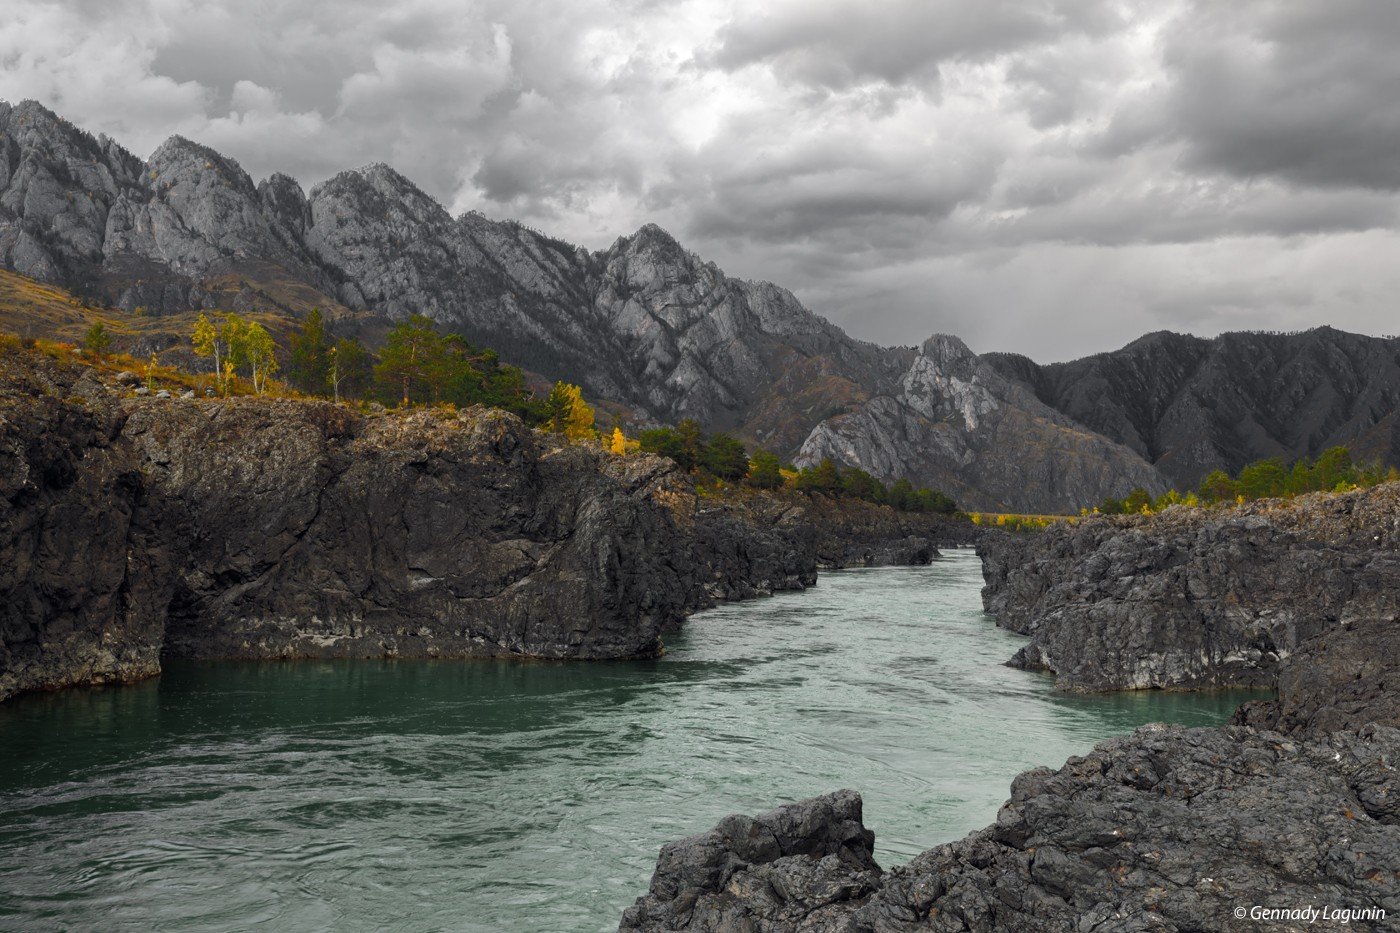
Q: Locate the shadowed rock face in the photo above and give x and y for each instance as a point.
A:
(1194, 598)
(1343, 679)
(75, 603)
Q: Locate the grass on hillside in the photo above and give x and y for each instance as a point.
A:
(33, 309)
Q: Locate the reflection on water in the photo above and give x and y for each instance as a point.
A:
(493, 795)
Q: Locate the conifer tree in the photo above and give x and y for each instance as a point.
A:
(97, 341)
(310, 361)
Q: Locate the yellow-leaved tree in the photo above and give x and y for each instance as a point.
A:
(569, 414)
(207, 343)
(260, 352)
(618, 445)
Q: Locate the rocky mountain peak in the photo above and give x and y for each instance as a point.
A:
(645, 323)
(179, 161)
(947, 350)
(654, 242)
(283, 198)
(376, 190)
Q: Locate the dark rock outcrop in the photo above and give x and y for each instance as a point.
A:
(310, 531)
(796, 867)
(133, 528)
(77, 553)
(1194, 598)
(1168, 829)
(1344, 678)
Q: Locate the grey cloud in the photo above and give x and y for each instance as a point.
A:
(1032, 174)
(835, 44)
(1293, 89)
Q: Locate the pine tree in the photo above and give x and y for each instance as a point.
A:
(310, 362)
(725, 457)
(97, 341)
(692, 442)
(1217, 487)
(764, 470)
(408, 358)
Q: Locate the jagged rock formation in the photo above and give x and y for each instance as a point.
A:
(803, 863)
(988, 438)
(135, 528)
(1190, 597)
(1167, 829)
(644, 324)
(1190, 405)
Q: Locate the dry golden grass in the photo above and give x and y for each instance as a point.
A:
(34, 310)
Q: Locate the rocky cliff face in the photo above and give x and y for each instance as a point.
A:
(1341, 679)
(1194, 598)
(78, 554)
(1190, 405)
(644, 323)
(987, 438)
(136, 528)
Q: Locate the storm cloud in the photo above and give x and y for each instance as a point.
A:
(1054, 177)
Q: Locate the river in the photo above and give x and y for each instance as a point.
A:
(407, 795)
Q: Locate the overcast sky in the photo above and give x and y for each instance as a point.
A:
(1049, 177)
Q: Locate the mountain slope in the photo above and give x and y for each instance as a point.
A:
(1191, 405)
(644, 323)
(954, 416)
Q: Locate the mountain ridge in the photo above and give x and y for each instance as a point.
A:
(644, 323)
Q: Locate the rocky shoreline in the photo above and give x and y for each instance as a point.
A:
(136, 528)
(1168, 829)
(1286, 819)
(1192, 598)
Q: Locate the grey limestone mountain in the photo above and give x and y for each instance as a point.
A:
(651, 327)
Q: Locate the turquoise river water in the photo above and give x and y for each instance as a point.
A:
(516, 796)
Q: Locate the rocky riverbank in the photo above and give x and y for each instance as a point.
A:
(1287, 819)
(135, 528)
(1296, 805)
(1192, 598)
(1168, 829)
